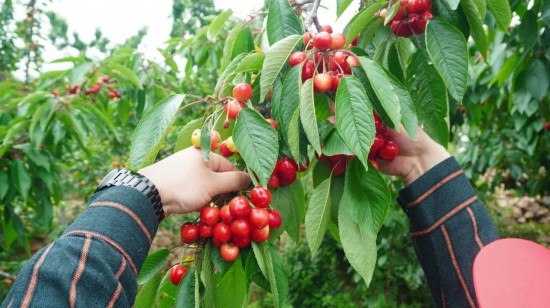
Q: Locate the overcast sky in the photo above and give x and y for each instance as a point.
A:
(120, 19)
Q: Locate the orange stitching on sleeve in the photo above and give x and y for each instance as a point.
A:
(34, 278)
(80, 270)
(455, 265)
(130, 213)
(434, 188)
(444, 218)
(474, 222)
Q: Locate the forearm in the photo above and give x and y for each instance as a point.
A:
(96, 262)
(449, 226)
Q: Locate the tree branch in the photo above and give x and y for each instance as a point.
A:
(312, 15)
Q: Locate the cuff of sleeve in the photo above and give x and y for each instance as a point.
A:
(436, 195)
(124, 218)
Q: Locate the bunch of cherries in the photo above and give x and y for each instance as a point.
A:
(411, 17)
(285, 171)
(382, 148)
(235, 225)
(241, 93)
(328, 63)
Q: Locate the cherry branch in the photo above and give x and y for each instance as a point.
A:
(312, 15)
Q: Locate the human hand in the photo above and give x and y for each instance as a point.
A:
(415, 157)
(186, 182)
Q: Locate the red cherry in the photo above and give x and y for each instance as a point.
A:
(214, 140)
(287, 180)
(241, 241)
(338, 166)
(322, 83)
(275, 220)
(326, 28)
(546, 126)
(233, 108)
(189, 233)
(239, 207)
(258, 218)
(400, 14)
(401, 28)
(216, 242)
(336, 82)
(176, 273)
(286, 167)
(229, 252)
(389, 151)
(377, 122)
(260, 235)
(302, 168)
(338, 41)
(242, 92)
(222, 232)
(205, 231)
(260, 196)
(55, 93)
(322, 41)
(273, 181)
(240, 227)
(374, 163)
(378, 143)
(337, 157)
(297, 58)
(224, 150)
(105, 78)
(418, 6)
(307, 70)
(307, 39)
(225, 214)
(272, 122)
(354, 42)
(340, 57)
(210, 216)
(353, 61)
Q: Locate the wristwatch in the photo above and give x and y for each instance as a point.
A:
(123, 177)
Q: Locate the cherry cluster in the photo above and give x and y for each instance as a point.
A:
(214, 139)
(328, 63)
(411, 17)
(235, 225)
(241, 93)
(285, 171)
(382, 148)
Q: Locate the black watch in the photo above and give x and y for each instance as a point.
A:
(123, 177)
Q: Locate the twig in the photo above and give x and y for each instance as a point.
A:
(7, 275)
(312, 15)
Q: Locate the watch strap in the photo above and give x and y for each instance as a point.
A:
(123, 177)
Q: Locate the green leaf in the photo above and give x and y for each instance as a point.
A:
(21, 178)
(354, 117)
(185, 297)
(384, 90)
(334, 145)
(317, 216)
(275, 59)
(166, 292)
(125, 74)
(363, 207)
(184, 137)
(293, 138)
(537, 79)
(78, 73)
(502, 13)
(282, 21)
(252, 62)
(308, 116)
(244, 43)
(408, 111)
(505, 70)
(257, 143)
(231, 290)
(430, 97)
(289, 201)
(272, 268)
(207, 276)
(3, 188)
(151, 132)
(228, 46)
(475, 19)
(288, 105)
(152, 265)
(205, 142)
(405, 50)
(361, 20)
(148, 293)
(455, 17)
(341, 6)
(528, 29)
(217, 24)
(449, 53)
(453, 4)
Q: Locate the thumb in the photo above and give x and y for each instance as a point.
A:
(231, 181)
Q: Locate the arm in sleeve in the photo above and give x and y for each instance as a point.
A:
(96, 261)
(449, 226)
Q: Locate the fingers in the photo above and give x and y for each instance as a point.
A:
(226, 182)
(217, 163)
